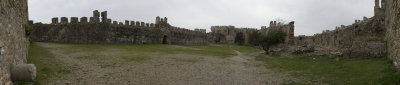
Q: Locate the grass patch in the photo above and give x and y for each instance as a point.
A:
(64, 71)
(137, 58)
(86, 57)
(246, 49)
(370, 71)
(188, 60)
(218, 50)
(47, 66)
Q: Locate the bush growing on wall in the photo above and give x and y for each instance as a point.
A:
(274, 37)
(254, 38)
(28, 30)
(239, 39)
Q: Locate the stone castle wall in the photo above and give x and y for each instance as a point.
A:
(392, 24)
(13, 41)
(361, 39)
(105, 31)
(287, 28)
(371, 37)
(227, 34)
(364, 38)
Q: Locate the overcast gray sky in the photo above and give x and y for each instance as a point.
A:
(310, 16)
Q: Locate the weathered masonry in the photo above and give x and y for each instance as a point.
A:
(14, 42)
(392, 25)
(371, 37)
(227, 34)
(104, 30)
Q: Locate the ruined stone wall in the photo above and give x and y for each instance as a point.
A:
(223, 34)
(287, 28)
(364, 38)
(130, 32)
(376, 36)
(227, 34)
(361, 39)
(392, 24)
(13, 41)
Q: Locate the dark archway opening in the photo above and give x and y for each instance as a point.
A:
(165, 41)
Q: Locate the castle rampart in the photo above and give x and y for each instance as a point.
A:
(287, 28)
(130, 32)
(361, 39)
(364, 38)
(227, 34)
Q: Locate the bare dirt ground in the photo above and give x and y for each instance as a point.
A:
(176, 69)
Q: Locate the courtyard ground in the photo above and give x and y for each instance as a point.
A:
(108, 64)
(211, 64)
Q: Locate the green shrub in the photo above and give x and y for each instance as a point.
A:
(28, 30)
(239, 39)
(274, 37)
(254, 38)
(367, 71)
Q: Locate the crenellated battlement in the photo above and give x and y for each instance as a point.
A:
(201, 30)
(160, 22)
(102, 30)
(379, 10)
(227, 34)
(361, 39)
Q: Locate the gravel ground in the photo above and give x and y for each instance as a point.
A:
(177, 69)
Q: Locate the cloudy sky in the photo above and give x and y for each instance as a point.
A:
(310, 16)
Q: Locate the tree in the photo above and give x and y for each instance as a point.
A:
(218, 37)
(254, 38)
(274, 37)
(239, 39)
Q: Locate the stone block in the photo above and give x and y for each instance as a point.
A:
(84, 20)
(54, 20)
(115, 23)
(137, 24)
(271, 23)
(91, 20)
(158, 20)
(152, 25)
(96, 17)
(74, 19)
(142, 24)
(64, 20)
(132, 23)
(104, 16)
(127, 22)
(165, 20)
(24, 72)
(109, 21)
(96, 14)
